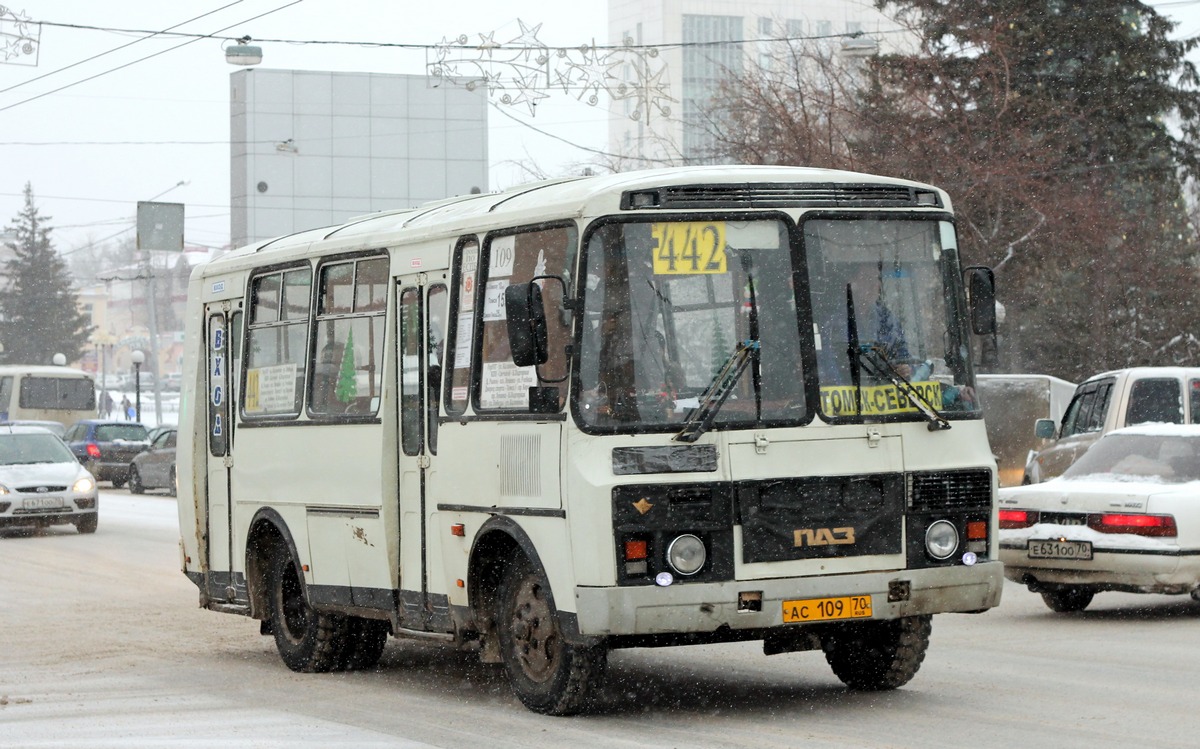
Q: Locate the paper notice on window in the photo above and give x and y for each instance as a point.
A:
(493, 301)
(462, 342)
(467, 296)
(501, 254)
(505, 385)
(271, 390)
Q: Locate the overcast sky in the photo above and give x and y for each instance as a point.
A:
(96, 147)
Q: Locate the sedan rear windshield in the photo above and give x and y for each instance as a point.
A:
(1170, 459)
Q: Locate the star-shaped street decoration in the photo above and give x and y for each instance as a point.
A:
(19, 37)
(527, 69)
(528, 40)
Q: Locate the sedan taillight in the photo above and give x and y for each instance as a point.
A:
(1138, 525)
(1018, 518)
(93, 451)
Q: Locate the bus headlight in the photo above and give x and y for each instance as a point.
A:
(941, 539)
(686, 554)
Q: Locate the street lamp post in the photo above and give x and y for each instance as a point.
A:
(138, 357)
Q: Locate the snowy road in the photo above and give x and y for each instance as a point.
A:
(102, 645)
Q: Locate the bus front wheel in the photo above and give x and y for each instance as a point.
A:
(878, 655)
(308, 640)
(548, 674)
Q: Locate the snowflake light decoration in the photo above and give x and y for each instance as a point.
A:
(19, 37)
(524, 70)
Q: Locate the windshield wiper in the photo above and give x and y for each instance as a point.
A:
(852, 349)
(701, 418)
(879, 366)
(755, 358)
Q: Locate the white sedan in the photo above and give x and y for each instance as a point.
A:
(1125, 517)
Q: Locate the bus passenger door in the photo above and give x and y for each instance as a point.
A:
(421, 314)
(218, 534)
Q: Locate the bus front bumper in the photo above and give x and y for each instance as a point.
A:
(705, 607)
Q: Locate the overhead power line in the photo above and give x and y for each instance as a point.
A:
(149, 35)
(491, 45)
(147, 57)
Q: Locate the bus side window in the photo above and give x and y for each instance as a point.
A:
(347, 369)
(277, 342)
(409, 343)
(435, 304)
(457, 357)
(518, 258)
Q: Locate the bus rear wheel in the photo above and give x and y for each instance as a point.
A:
(548, 674)
(878, 655)
(308, 640)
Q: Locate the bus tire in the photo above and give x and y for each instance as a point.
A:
(135, 481)
(365, 640)
(309, 641)
(878, 655)
(548, 674)
(1068, 598)
(87, 523)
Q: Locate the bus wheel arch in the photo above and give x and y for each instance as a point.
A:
(268, 533)
(499, 543)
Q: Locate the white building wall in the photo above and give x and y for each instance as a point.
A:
(312, 149)
(655, 139)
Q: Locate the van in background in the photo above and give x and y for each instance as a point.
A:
(1012, 405)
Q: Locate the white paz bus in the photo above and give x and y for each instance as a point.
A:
(694, 405)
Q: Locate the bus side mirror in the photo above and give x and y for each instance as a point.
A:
(981, 298)
(526, 324)
(1044, 429)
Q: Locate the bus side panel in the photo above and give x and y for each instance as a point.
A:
(191, 452)
(332, 486)
(521, 480)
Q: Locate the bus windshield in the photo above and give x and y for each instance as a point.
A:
(701, 316)
(886, 310)
(669, 305)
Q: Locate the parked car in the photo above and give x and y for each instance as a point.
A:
(54, 427)
(41, 482)
(107, 447)
(154, 432)
(1111, 400)
(155, 468)
(1125, 517)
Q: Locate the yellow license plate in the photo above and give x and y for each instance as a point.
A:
(827, 609)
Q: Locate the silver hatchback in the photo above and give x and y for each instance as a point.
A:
(41, 482)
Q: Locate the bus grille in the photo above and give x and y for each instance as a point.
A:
(950, 490)
(778, 196)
